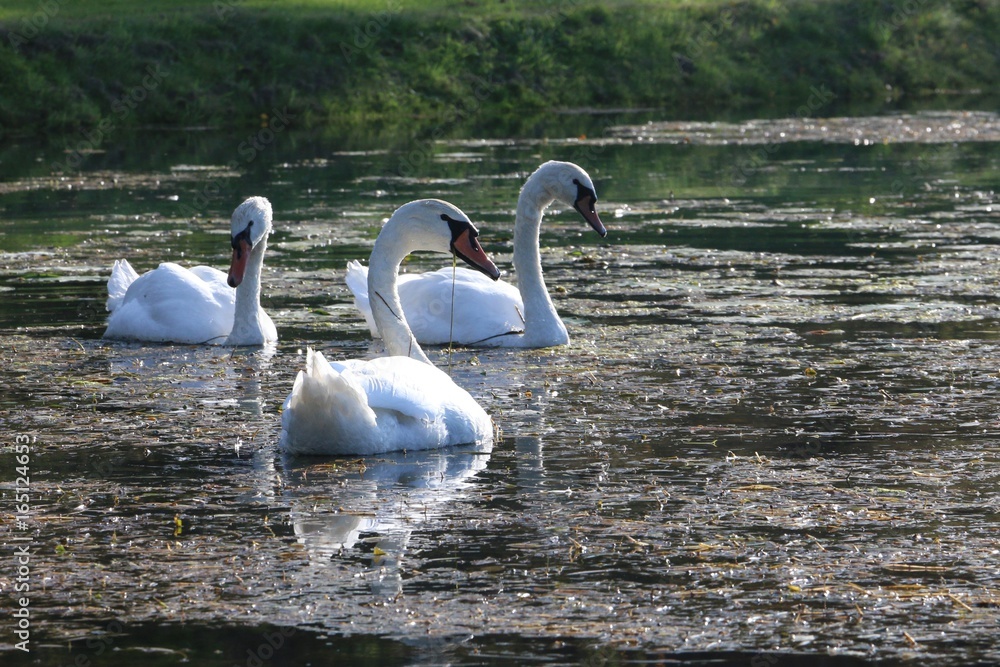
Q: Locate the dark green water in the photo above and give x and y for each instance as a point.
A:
(774, 437)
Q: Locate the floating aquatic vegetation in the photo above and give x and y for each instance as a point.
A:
(774, 430)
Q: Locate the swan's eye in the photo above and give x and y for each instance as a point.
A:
(584, 193)
(244, 235)
(459, 227)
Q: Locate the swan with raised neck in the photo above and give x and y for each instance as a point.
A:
(507, 316)
(413, 227)
(568, 184)
(173, 304)
(396, 402)
(250, 226)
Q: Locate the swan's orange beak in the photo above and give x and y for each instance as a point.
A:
(585, 205)
(241, 253)
(467, 247)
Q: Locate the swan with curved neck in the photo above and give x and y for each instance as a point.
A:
(400, 402)
(171, 304)
(508, 317)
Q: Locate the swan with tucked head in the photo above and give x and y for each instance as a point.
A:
(171, 304)
(400, 402)
(506, 316)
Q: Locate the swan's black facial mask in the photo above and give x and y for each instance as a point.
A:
(465, 244)
(242, 245)
(585, 201)
(243, 236)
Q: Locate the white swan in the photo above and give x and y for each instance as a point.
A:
(505, 316)
(400, 402)
(198, 305)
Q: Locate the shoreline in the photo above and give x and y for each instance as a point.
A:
(476, 63)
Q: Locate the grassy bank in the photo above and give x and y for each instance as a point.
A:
(236, 63)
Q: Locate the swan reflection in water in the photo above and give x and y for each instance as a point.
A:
(211, 381)
(368, 508)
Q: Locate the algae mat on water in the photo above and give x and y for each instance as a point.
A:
(774, 434)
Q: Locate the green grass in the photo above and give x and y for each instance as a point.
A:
(235, 63)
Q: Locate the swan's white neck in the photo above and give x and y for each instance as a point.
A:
(542, 325)
(387, 311)
(247, 326)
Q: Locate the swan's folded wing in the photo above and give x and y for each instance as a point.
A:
(341, 389)
(483, 308)
(216, 282)
(122, 275)
(174, 304)
(407, 386)
(184, 288)
(357, 281)
(326, 406)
